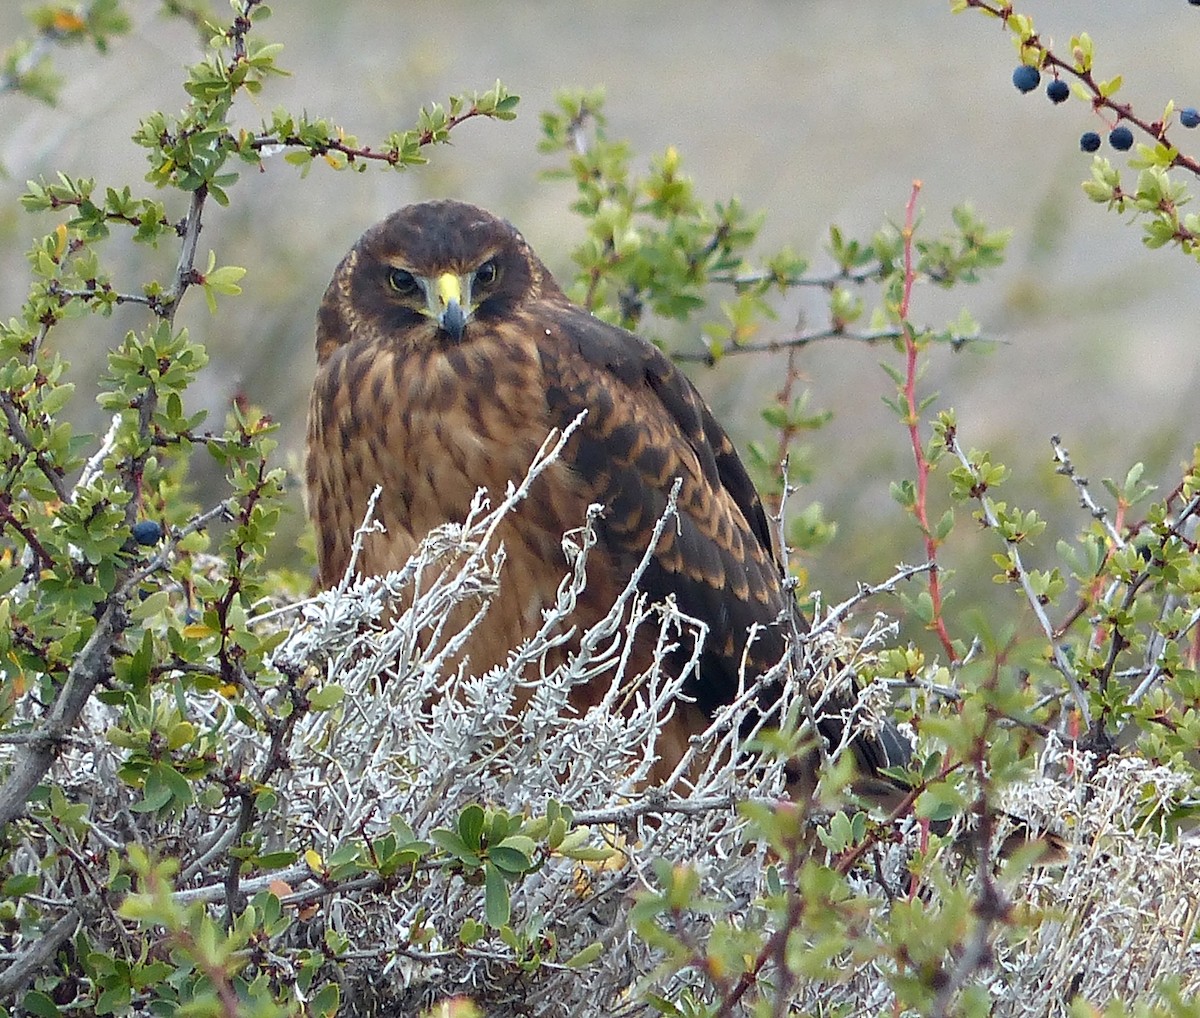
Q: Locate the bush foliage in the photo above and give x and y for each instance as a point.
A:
(214, 804)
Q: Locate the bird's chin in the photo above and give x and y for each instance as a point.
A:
(424, 335)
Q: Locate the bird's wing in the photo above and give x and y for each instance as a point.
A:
(646, 427)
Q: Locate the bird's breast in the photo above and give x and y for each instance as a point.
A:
(467, 417)
(430, 429)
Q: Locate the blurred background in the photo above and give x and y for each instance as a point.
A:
(816, 112)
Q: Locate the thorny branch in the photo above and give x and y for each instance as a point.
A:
(1058, 654)
(94, 661)
(35, 758)
(353, 153)
(1097, 512)
(1124, 111)
(18, 432)
(798, 340)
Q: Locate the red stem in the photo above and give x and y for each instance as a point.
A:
(914, 426)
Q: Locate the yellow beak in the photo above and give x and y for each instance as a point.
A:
(449, 305)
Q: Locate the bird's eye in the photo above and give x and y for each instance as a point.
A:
(487, 273)
(403, 282)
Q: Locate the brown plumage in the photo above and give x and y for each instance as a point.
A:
(446, 355)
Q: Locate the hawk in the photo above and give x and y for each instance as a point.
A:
(446, 355)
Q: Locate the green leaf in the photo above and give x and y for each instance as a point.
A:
(37, 1003)
(583, 958)
(164, 785)
(471, 931)
(452, 843)
(326, 1000)
(509, 859)
(181, 734)
(940, 801)
(944, 525)
(275, 860)
(326, 698)
(497, 906)
(520, 843)
(20, 883)
(470, 826)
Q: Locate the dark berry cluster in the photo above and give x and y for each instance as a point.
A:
(1120, 138)
(1026, 78)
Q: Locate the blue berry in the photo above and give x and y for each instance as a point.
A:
(1026, 78)
(146, 532)
(1190, 117)
(1121, 138)
(1090, 141)
(1058, 91)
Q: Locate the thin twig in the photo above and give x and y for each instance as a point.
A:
(1058, 655)
(837, 614)
(92, 664)
(1097, 512)
(25, 442)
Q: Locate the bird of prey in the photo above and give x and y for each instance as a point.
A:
(446, 355)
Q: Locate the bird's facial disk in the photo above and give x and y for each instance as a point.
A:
(450, 298)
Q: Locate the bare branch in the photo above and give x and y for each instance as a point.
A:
(34, 760)
(21, 436)
(39, 954)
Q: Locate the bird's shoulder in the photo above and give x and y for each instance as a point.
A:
(641, 408)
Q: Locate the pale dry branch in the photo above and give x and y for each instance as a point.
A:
(417, 740)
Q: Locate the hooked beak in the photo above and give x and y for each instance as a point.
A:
(449, 305)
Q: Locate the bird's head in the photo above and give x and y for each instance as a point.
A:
(424, 274)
